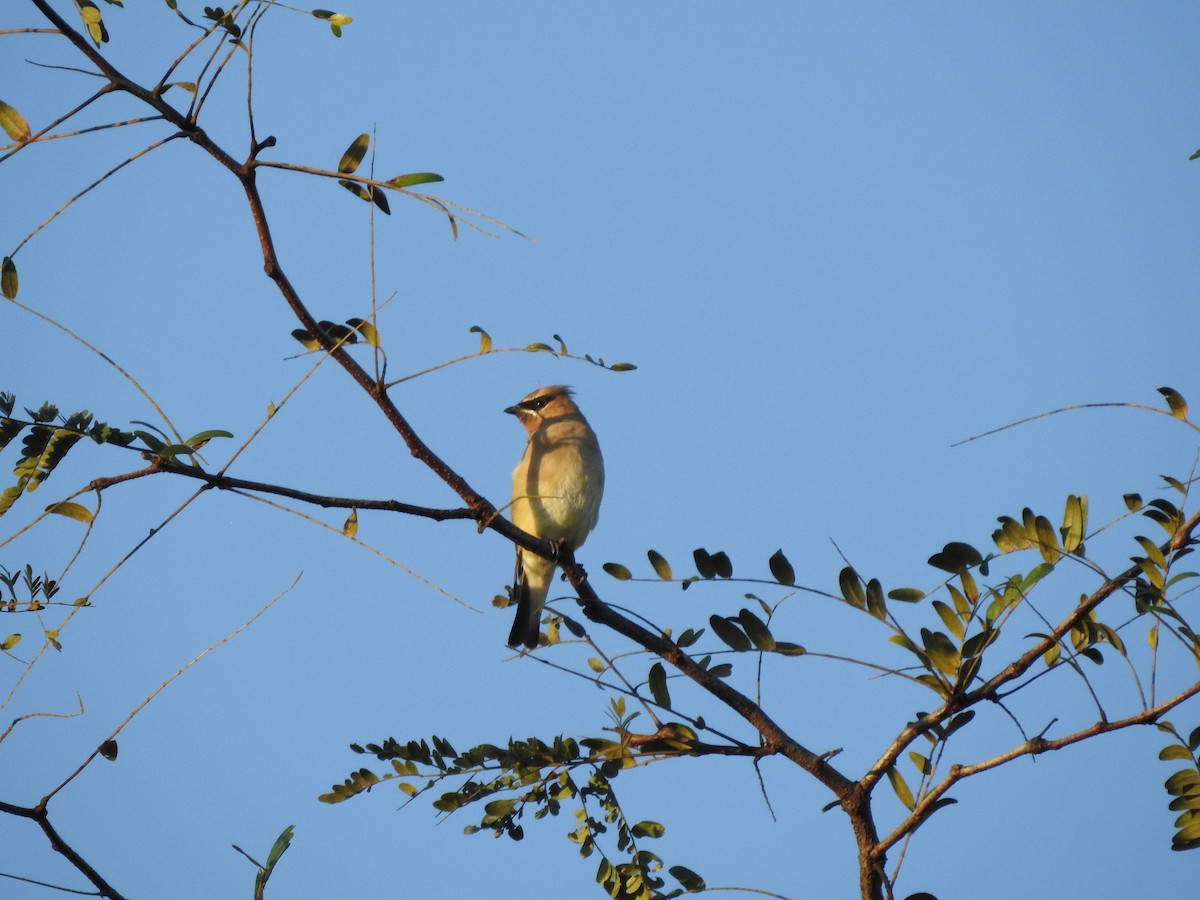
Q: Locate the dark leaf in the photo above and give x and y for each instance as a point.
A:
(729, 633)
(781, 569)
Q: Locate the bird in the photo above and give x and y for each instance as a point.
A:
(557, 488)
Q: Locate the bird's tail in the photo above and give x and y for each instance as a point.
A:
(530, 586)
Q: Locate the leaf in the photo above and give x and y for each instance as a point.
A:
(648, 829)
(721, 563)
(622, 367)
(367, 330)
(1133, 502)
(14, 124)
(354, 154)
(1175, 751)
(485, 340)
(661, 567)
(781, 569)
(955, 556)
(729, 633)
(355, 188)
(950, 618)
(350, 529)
(704, 563)
(617, 571)
(756, 629)
(921, 762)
(906, 595)
(380, 198)
(9, 642)
(691, 882)
(1074, 523)
(657, 682)
(875, 602)
(403, 181)
(92, 21)
(1175, 402)
(787, 648)
(852, 588)
(1047, 540)
(309, 342)
(109, 750)
(8, 279)
(74, 511)
(901, 788)
(196, 441)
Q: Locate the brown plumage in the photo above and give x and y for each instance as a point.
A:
(557, 488)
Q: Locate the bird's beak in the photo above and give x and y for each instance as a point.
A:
(513, 410)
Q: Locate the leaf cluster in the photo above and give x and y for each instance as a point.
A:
(536, 778)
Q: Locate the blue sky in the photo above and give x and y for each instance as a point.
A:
(835, 240)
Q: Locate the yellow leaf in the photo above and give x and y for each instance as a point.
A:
(350, 529)
(13, 123)
(71, 510)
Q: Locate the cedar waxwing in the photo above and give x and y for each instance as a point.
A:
(557, 488)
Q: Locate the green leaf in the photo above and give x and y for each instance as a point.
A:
(8, 279)
(781, 569)
(356, 189)
(875, 602)
(71, 510)
(722, 565)
(1133, 502)
(1175, 751)
(950, 618)
(729, 633)
(622, 367)
(906, 595)
(921, 762)
(648, 829)
(691, 882)
(403, 181)
(354, 154)
(901, 788)
(617, 571)
(366, 329)
(485, 339)
(1175, 402)
(852, 588)
(756, 629)
(1047, 540)
(196, 441)
(657, 682)
(14, 124)
(787, 648)
(661, 567)
(1074, 523)
(955, 556)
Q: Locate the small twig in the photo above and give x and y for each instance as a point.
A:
(1055, 412)
(158, 690)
